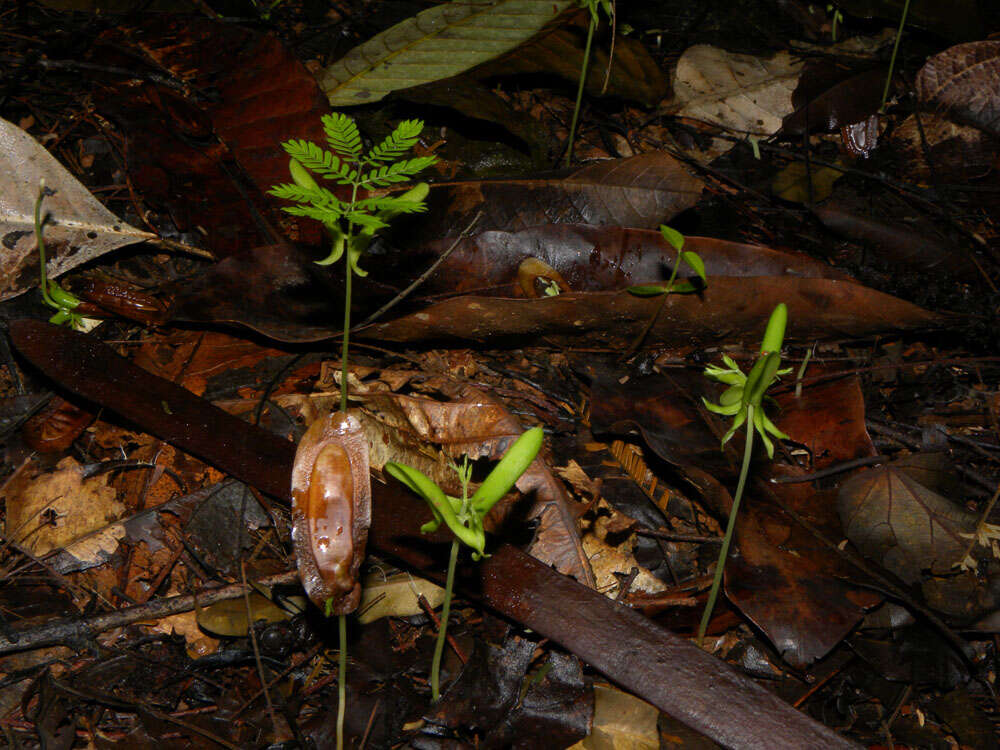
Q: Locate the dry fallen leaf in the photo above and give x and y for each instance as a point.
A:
(79, 228)
(60, 509)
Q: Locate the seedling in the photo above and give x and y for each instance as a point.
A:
(743, 400)
(351, 225)
(464, 516)
(694, 261)
(593, 6)
(53, 295)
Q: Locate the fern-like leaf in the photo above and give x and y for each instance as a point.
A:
(388, 203)
(312, 157)
(365, 220)
(401, 140)
(401, 171)
(343, 135)
(323, 215)
(320, 197)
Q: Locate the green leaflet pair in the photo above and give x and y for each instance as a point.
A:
(465, 516)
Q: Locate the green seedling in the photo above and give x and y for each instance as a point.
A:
(743, 400)
(464, 515)
(835, 17)
(685, 286)
(352, 225)
(53, 295)
(593, 6)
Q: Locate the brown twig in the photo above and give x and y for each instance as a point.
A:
(426, 607)
(76, 629)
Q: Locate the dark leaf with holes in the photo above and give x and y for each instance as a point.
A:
(964, 80)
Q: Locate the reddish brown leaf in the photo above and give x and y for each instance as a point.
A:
(54, 428)
(730, 309)
(641, 191)
(823, 103)
(590, 258)
(208, 160)
(900, 245)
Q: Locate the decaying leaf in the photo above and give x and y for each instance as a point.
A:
(78, 228)
(61, 509)
(741, 93)
(965, 81)
(902, 524)
(478, 425)
(440, 42)
(621, 722)
(729, 309)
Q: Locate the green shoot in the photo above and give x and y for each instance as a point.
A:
(592, 6)
(836, 17)
(464, 516)
(353, 223)
(53, 295)
(744, 401)
(694, 261)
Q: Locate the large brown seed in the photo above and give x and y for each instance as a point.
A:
(331, 510)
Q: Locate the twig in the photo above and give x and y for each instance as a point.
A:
(256, 650)
(76, 629)
(831, 470)
(422, 277)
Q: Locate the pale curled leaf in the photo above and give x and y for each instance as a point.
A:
(79, 228)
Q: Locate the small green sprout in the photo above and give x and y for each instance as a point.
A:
(464, 516)
(694, 261)
(53, 295)
(743, 400)
(745, 393)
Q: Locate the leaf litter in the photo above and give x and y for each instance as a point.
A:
(888, 282)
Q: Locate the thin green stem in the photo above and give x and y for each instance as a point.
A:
(730, 528)
(895, 49)
(341, 681)
(347, 329)
(348, 273)
(443, 630)
(579, 90)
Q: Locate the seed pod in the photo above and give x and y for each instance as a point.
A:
(331, 511)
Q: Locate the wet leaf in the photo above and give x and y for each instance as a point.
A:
(437, 43)
(729, 309)
(965, 81)
(824, 101)
(78, 229)
(229, 618)
(641, 191)
(894, 519)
